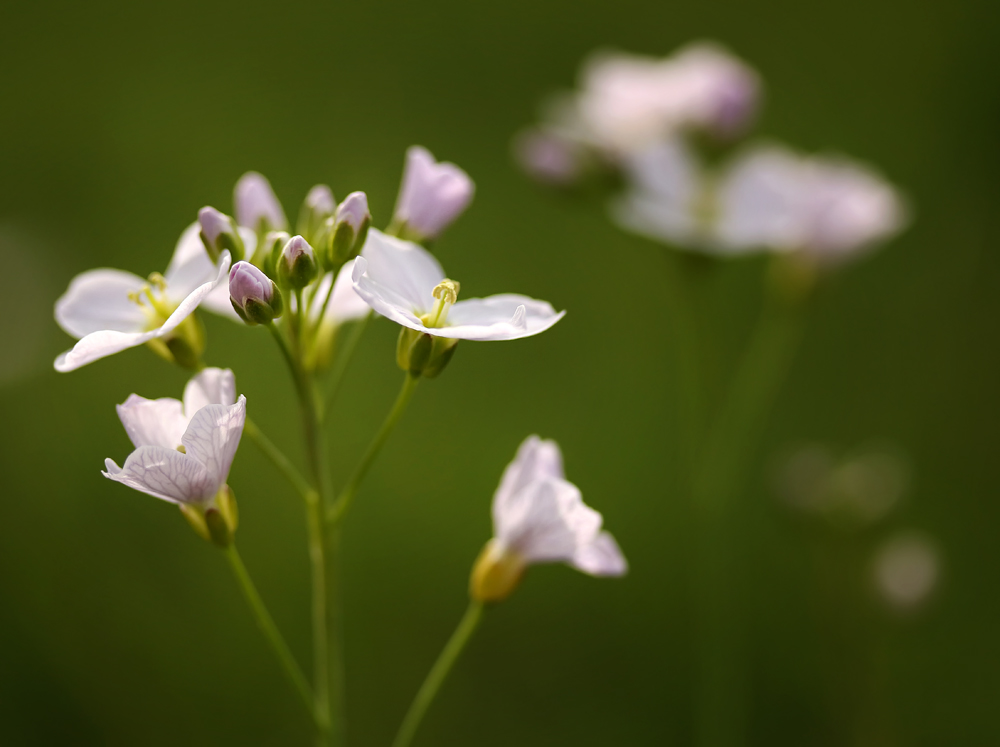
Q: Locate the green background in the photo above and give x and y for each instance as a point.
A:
(119, 627)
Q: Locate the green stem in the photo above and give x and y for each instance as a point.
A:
(720, 701)
(342, 360)
(283, 463)
(270, 630)
(337, 511)
(438, 673)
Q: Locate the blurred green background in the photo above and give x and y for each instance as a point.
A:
(120, 627)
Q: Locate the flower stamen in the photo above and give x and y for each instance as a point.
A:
(446, 293)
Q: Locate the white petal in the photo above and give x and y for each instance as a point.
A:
(164, 473)
(535, 460)
(98, 300)
(506, 316)
(213, 386)
(153, 422)
(345, 304)
(545, 521)
(190, 265)
(602, 557)
(195, 297)
(100, 345)
(213, 437)
(403, 269)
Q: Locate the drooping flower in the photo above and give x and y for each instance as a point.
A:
(540, 517)
(113, 310)
(431, 196)
(184, 450)
(404, 282)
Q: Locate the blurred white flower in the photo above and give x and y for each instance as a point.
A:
(113, 310)
(907, 569)
(184, 450)
(830, 209)
(431, 196)
(540, 517)
(627, 101)
(403, 282)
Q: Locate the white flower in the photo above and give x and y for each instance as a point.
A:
(831, 209)
(432, 194)
(628, 101)
(402, 281)
(183, 449)
(667, 196)
(112, 310)
(540, 517)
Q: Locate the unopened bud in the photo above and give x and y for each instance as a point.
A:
(219, 233)
(431, 197)
(268, 250)
(497, 572)
(422, 354)
(254, 296)
(316, 208)
(350, 228)
(297, 264)
(256, 205)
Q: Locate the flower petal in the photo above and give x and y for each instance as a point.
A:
(255, 204)
(602, 557)
(153, 422)
(546, 521)
(164, 473)
(505, 316)
(213, 437)
(535, 460)
(403, 269)
(213, 386)
(98, 300)
(195, 297)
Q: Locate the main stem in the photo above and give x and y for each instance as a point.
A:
(438, 673)
(720, 698)
(270, 630)
(349, 491)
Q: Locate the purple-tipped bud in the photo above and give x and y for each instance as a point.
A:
(297, 263)
(350, 228)
(431, 197)
(256, 206)
(316, 208)
(219, 233)
(253, 294)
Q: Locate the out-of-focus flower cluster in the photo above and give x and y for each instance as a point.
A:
(671, 128)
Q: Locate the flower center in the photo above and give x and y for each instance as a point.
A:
(152, 299)
(445, 293)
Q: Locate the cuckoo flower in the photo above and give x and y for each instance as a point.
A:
(112, 310)
(431, 197)
(402, 281)
(540, 517)
(828, 209)
(343, 306)
(183, 449)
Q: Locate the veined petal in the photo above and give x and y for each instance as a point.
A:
(99, 300)
(546, 521)
(535, 460)
(403, 268)
(602, 557)
(213, 437)
(213, 386)
(153, 422)
(164, 473)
